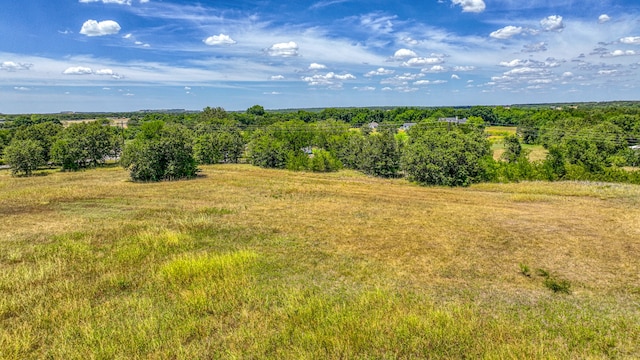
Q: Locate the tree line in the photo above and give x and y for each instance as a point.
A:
(585, 144)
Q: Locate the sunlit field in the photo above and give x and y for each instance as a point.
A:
(244, 262)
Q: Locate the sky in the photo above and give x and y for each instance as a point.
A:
(128, 55)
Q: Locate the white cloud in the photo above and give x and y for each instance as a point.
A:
(475, 6)
(21, 88)
(632, 40)
(379, 72)
(127, 36)
(288, 49)
(316, 66)
(603, 19)
(552, 23)
(104, 72)
(464, 68)
(95, 28)
(616, 53)
(272, 93)
(567, 74)
(365, 88)
(455, 77)
(506, 32)
(331, 80)
(78, 70)
(277, 77)
(435, 69)
(221, 39)
(13, 66)
(404, 54)
(422, 82)
(513, 63)
(421, 61)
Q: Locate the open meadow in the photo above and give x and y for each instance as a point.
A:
(244, 262)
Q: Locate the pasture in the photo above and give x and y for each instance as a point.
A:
(244, 262)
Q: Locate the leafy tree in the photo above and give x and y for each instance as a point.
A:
(435, 156)
(24, 156)
(267, 151)
(512, 148)
(256, 110)
(45, 133)
(86, 145)
(323, 161)
(380, 155)
(160, 152)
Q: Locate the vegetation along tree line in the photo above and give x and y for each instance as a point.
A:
(589, 141)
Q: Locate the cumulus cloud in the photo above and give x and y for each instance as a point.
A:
(13, 66)
(631, 40)
(617, 53)
(603, 19)
(552, 23)
(78, 70)
(277, 77)
(455, 77)
(316, 66)
(513, 63)
(404, 54)
(475, 6)
(435, 69)
(331, 80)
(101, 28)
(506, 32)
(379, 72)
(464, 68)
(422, 61)
(21, 88)
(221, 39)
(288, 49)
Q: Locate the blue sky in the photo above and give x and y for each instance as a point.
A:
(122, 55)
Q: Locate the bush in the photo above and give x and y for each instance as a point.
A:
(166, 154)
(24, 156)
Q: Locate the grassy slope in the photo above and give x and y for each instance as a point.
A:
(246, 262)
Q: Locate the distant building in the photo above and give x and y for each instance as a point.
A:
(407, 126)
(634, 147)
(453, 120)
(373, 125)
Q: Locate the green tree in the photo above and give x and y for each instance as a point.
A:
(86, 145)
(45, 133)
(160, 152)
(380, 155)
(267, 151)
(435, 156)
(512, 148)
(24, 156)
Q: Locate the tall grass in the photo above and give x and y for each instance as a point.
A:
(252, 263)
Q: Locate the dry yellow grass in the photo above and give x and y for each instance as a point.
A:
(324, 237)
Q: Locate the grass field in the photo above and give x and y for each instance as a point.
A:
(244, 262)
(496, 135)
